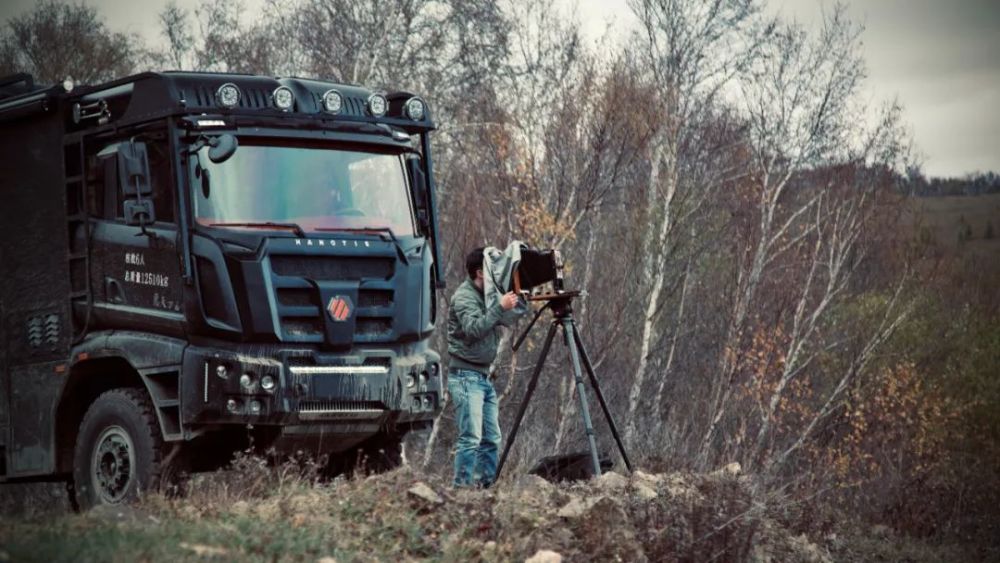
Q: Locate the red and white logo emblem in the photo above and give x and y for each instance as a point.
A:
(339, 308)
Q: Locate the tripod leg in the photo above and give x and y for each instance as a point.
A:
(600, 398)
(569, 333)
(527, 397)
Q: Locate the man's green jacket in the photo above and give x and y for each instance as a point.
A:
(473, 330)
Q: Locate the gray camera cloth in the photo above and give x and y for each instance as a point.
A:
(498, 270)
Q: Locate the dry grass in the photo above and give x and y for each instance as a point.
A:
(256, 512)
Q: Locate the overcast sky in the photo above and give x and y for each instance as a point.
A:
(941, 58)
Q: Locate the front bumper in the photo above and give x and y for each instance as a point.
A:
(368, 387)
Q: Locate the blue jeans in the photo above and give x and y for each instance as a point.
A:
(477, 417)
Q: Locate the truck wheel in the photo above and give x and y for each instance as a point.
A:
(118, 450)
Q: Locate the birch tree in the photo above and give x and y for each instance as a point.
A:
(692, 50)
(799, 97)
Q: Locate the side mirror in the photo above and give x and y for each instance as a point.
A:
(134, 181)
(418, 183)
(133, 169)
(222, 147)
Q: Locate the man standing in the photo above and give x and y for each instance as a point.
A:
(473, 335)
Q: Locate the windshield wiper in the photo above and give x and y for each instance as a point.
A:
(387, 230)
(294, 227)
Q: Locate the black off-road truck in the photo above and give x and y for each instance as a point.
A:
(195, 262)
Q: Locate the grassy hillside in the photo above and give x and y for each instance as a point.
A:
(963, 226)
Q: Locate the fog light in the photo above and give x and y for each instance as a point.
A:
(222, 371)
(267, 383)
(255, 407)
(415, 109)
(411, 381)
(333, 102)
(246, 381)
(232, 406)
(283, 98)
(377, 104)
(228, 95)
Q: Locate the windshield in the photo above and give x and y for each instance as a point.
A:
(315, 189)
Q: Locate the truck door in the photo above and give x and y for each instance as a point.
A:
(136, 276)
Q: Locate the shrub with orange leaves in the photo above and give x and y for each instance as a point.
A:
(890, 445)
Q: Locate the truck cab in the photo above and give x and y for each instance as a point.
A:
(196, 263)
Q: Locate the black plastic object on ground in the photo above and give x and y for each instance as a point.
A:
(574, 466)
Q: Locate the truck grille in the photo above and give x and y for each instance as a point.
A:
(307, 323)
(341, 409)
(302, 318)
(329, 268)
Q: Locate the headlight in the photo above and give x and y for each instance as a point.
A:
(232, 406)
(228, 95)
(423, 378)
(333, 102)
(283, 98)
(415, 109)
(434, 370)
(377, 104)
(246, 381)
(255, 407)
(427, 402)
(222, 371)
(411, 381)
(267, 383)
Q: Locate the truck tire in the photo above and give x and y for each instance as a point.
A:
(118, 450)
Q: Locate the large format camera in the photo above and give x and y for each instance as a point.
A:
(539, 267)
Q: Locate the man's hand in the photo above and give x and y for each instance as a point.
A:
(508, 301)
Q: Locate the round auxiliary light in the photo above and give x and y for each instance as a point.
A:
(228, 95)
(377, 105)
(232, 406)
(333, 102)
(267, 383)
(411, 381)
(222, 371)
(427, 402)
(423, 378)
(255, 407)
(415, 109)
(283, 98)
(246, 381)
(434, 370)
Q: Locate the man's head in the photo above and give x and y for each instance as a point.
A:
(474, 266)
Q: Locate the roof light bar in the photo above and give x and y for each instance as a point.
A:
(415, 109)
(377, 105)
(283, 98)
(228, 95)
(333, 101)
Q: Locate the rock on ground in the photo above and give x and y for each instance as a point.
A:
(423, 492)
(544, 556)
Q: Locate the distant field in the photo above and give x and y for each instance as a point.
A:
(967, 226)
